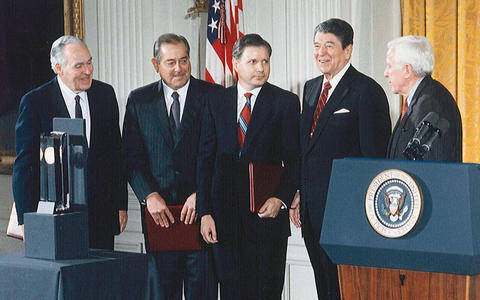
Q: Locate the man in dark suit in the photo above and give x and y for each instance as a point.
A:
(74, 89)
(345, 114)
(160, 135)
(409, 68)
(257, 122)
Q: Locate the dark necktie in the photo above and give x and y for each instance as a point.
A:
(244, 119)
(78, 108)
(320, 105)
(174, 113)
(404, 108)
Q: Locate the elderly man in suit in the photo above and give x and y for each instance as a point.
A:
(409, 66)
(73, 93)
(250, 122)
(345, 114)
(161, 134)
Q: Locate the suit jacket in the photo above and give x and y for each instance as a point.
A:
(430, 96)
(362, 130)
(106, 183)
(272, 138)
(155, 161)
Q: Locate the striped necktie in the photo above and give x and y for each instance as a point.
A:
(320, 105)
(244, 119)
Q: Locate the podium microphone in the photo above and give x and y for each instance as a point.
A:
(442, 128)
(413, 149)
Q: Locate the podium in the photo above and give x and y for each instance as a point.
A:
(438, 258)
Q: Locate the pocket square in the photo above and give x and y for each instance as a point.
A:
(342, 111)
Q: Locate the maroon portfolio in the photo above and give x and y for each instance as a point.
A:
(178, 236)
(264, 180)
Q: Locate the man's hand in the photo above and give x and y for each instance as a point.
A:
(294, 211)
(188, 213)
(159, 210)
(208, 230)
(123, 218)
(270, 208)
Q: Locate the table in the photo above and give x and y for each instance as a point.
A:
(103, 275)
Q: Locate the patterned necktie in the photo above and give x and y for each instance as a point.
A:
(320, 105)
(78, 108)
(404, 108)
(244, 119)
(174, 112)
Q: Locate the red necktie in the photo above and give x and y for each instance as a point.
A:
(320, 105)
(404, 108)
(244, 120)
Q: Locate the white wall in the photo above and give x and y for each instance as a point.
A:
(121, 33)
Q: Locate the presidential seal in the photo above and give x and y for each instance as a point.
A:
(393, 203)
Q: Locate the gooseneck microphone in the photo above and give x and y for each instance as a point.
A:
(442, 128)
(413, 151)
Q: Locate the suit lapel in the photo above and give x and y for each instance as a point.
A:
(188, 111)
(415, 97)
(58, 102)
(94, 105)
(259, 114)
(402, 122)
(229, 116)
(333, 103)
(311, 99)
(160, 115)
(413, 103)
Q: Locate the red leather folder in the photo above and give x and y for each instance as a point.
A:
(263, 180)
(178, 236)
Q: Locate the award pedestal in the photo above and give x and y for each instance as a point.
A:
(61, 236)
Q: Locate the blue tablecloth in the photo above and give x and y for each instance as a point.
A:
(103, 275)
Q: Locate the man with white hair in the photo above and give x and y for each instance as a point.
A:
(409, 66)
(74, 94)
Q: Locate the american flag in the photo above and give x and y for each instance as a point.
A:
(225, 26)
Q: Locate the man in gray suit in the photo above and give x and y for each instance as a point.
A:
(160, 134)
(409, 68)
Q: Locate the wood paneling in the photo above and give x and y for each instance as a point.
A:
(377, 283)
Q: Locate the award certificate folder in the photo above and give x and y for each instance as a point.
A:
(263, 181)
(178, 236)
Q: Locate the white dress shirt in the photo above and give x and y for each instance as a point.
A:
(335, 80)
(241, 100)
(182, 95)
(69, 98)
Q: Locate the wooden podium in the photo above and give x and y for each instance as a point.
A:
(439, 258)
(378, 283)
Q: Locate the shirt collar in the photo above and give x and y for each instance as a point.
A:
(68, 94)
(182, 92)
(242, 91)
(413, 90)
(336, 79)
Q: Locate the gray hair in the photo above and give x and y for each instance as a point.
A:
(169, 38)
(415, 51)
(56, 53)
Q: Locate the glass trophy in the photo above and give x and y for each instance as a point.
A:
(63, 159)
